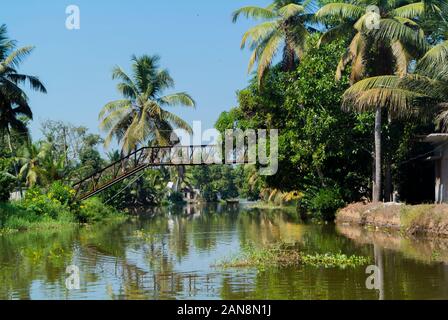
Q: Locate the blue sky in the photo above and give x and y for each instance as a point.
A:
(196, 39)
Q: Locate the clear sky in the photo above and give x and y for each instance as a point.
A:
(196, 39)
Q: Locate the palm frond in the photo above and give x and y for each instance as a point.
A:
(341, 10)
(409, 11)
(402, 58)
(434, 62)
(253, 12)
(113, 106)
(290, 10)
(384, 91)
(178, 99)
(33, 81)
(17, 56)
(337, 32)
(258, 34)
(269, 51)
(393, 30)
(177, 121)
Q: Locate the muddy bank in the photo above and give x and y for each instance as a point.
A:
(425, 249)
(424, 219)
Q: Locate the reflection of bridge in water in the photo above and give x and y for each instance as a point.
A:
(158, 156)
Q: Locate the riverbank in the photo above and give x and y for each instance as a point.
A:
(424, 219)
(15, 217)
(52, 209)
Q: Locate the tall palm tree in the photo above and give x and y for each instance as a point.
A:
(423, 93)
(140, 117)
(386, 49)
(13, 100)
(284, 26)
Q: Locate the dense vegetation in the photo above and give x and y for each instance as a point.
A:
(396, 71)
(348, 99)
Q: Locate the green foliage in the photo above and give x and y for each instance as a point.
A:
(323, 204)
(249, 182)
(139, 117)
(6, 179)
(329, 260)
(41, 204)
(6, 186)
(283, 27)
(36, 211)
(53, 207)
(62, 193)
(215, 182)
(94, 210)
(319, 144)
(283, 254)
(176, 197)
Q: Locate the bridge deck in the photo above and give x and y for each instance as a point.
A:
(146, 157)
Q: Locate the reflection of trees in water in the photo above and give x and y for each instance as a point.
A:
(267, 226)
(304, 283)
(409, 264)
(142, 268)
(28, 256)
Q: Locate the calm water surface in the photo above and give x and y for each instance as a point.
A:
(170, 254)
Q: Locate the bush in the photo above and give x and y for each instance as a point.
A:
(6, 186)
(176, 197)
(62, 193)
(42, 205)
(323, 204)
(16, 216)
(51, 209)
(94, 209)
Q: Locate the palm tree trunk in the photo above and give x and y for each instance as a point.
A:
(288, 52)
(16, 170)
(388, 188)
(377, 183)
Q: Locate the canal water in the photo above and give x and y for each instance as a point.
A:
(173, 253)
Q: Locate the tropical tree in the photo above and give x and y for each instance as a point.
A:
(140, 117)
(13, 100)
(423, 93)
(31, 157)
(284, 27)
(383, 42)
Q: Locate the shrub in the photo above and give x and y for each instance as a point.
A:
(16, 216)
(63, 193)
(6, 186)
(94, 209)
(323, 204)
(42, 205)
(176, 197)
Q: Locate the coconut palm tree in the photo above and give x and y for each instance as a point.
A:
(386, 48)
(422, 93)
(13, 100)
(31, 157)
(284, 27)
(140, 117)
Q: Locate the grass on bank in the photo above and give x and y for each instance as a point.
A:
(273, 206)
(286, 255)
(51, 209)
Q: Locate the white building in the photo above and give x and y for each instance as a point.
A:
(440, 159)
